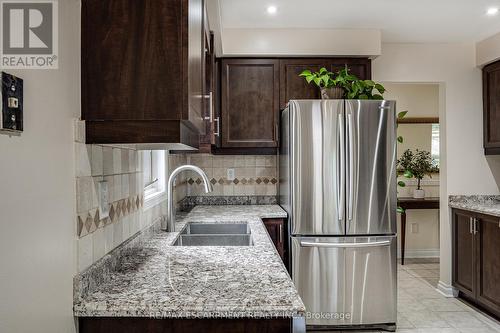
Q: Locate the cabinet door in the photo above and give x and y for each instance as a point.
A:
(463, 252)
(491, 106)
(208, 90)
(293, 86)
(249, 107)
(488, 268)
(196, 59)
(132, 54)
(276, 230)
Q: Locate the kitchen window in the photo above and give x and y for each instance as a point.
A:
(435, 145)
(154, 166)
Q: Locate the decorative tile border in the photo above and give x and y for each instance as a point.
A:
(91, 221)
(236, 181)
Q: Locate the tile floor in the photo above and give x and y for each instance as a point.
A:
(421, 309)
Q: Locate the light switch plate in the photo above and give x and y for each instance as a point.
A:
(103, 194)
(230, 174)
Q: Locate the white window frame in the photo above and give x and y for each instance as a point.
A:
(155, 170)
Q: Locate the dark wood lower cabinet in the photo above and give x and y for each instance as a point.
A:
(150, 325)
(488, 266)
(476, 260)
(463, 252)
(277, 231)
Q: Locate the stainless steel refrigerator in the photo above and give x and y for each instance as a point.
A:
(338, 185)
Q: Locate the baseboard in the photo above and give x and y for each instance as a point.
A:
(424, 253)
(446, 290)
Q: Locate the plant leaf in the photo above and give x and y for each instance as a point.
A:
(317, 80)
(325, 79)
(401, 183)
(408, 174)
(378, 97)
(380, 88)
(400, 210)
(309, 78)
(305, 73)
(402, 114)
(322, 70)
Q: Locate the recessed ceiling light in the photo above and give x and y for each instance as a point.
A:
(492, 11)
(272, 10)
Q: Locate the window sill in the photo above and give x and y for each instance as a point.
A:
(154, 199)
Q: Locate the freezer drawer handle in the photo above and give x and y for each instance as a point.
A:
(345, 245)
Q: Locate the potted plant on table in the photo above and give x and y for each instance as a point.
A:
(416, 165)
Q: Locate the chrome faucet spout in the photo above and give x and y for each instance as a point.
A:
(169, 224)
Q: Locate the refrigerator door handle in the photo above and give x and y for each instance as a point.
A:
(341, 174)
(350, 186)
(345, 245)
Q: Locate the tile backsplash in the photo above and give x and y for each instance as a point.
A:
(121, 167)
(253, 175)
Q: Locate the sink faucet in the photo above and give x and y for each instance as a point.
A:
(169, 224)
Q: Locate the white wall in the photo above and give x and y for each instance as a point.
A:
(300, 42)
(488, 50)
(37, 195)
(420, 100)
(464, 167)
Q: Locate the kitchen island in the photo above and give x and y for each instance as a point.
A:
(151, 285)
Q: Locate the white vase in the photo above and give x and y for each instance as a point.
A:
(418, 194)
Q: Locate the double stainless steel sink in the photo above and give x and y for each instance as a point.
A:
(215, 234)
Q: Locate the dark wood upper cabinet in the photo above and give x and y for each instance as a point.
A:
(142, 71)
(249, 103)
(491, 107)
(476, 264)
(292, 86)
(249, 94)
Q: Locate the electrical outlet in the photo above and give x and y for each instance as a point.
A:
(103, 192)
(230, 174)
(414, 228)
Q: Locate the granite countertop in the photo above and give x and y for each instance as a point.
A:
(486, 204)
(152, 278)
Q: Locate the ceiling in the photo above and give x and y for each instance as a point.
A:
(400, 21)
